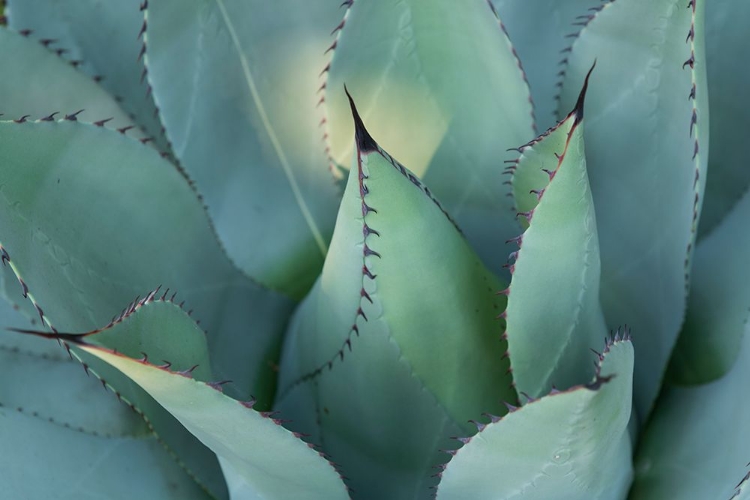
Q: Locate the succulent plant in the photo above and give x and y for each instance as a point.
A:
(318, 298)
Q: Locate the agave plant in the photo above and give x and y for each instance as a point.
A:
(318, 296)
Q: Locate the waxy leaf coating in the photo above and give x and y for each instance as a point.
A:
(398, 345)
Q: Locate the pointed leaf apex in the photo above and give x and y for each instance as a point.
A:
(365, 142)
(578, 110)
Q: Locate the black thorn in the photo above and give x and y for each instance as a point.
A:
(578, 110)
(365, 142)
(73, 116)
(75, 338)
(101, 123)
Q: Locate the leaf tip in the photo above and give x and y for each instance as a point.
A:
(365, 142)
(578, 110)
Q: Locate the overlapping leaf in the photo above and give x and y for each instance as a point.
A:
(726, 44)
(719, 303)
(272, 462)
(540, 30)
(646, 148)
(63, 449)
(566, 445)
(36, 83)
(702, 429)
(89, 228)
(446, 104)
(80, 29)
(553, 315)
(397, 346)
(235, 82)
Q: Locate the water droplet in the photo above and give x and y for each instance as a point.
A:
(561, 456)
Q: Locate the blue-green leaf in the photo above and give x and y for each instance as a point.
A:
(446, 104)
(38, 84)
(90, 219)
(567, 445)
(646, 148)
(539, 30)
(728, 80)
(235, 82)
(397, 346)
(266, 460)
(61, 448)
(102, 39)
(719, 303)
(697, 443)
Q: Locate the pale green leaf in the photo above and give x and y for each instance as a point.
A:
(646, 149)
(235, 82)
(447, 104)
(397, 346)
(567, 445)
(273, 462)
(553, 316)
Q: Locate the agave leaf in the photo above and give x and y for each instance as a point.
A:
(397, 346)
(273, 462)
(191, 355)
(726, 29)
(646, 147)
(538, 30)
(36, 83)
(553, 315)
(92, 219)
(446, 104)
(718, 305)
(45, 406)
(241, 116)
(101, 39)
(702, 428)
(566, 445)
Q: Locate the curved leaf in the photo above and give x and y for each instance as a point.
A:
(646, 148)
(101, 39)
(553, 315)
(447, 104)
(235, 81)
(718, 307)
(36, 83)
(538, 30)
(45, 407)
(566, 445)
(91, 218)
(190, 354)
(726, 42)
(702, 428)
(397, 346)
(273, 462)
